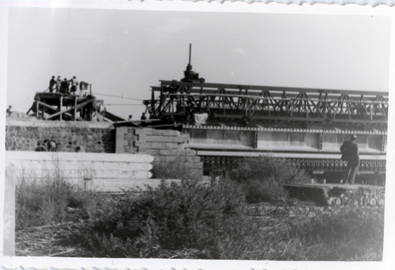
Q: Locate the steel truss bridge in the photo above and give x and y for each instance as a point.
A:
(178, 101)
(304, 125)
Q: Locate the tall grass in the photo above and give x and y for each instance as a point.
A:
(44, 200)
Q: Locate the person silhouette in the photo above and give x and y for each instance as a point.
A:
(350, 153)
(52, 84)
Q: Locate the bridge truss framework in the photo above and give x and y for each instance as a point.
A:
(179, 100)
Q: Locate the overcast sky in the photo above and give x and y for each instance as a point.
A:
(126, 52)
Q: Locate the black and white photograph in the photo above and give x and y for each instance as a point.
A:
(200, 135)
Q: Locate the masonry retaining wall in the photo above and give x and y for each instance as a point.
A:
(92, 137)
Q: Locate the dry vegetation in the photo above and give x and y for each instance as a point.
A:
(193, 220)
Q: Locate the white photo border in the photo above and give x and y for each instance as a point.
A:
(76, 263)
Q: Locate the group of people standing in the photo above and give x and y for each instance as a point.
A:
(63, 86)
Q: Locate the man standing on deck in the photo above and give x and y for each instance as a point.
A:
(58, 83)
(74, 85)
(52, 83)
(350, 153)
(64, 87)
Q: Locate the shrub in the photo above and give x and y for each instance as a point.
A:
(269, 190)
(262, 177)
(267, 167)
(178, 168)
(176, 216)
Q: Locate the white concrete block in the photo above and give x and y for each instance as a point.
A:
(44, 165)
(62, 156)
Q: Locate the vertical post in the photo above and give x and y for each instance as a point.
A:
(43, 112)
(75, 108)
(37, 108)
(90, 110)
(60, 107)
(256, 136)
(152, 103)
(90, 89)
(320, 141)
(384, 143)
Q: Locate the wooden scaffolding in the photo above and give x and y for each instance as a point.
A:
(58, 106)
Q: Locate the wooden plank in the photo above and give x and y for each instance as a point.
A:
(69, 109)
(37, 108)
(44, 104)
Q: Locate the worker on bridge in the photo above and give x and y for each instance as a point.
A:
(64, 87)
(74, 85)
(350, 153)
(83, 86)
(58, 84)
(52, 83)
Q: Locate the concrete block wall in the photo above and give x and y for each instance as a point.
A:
(164, 145)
